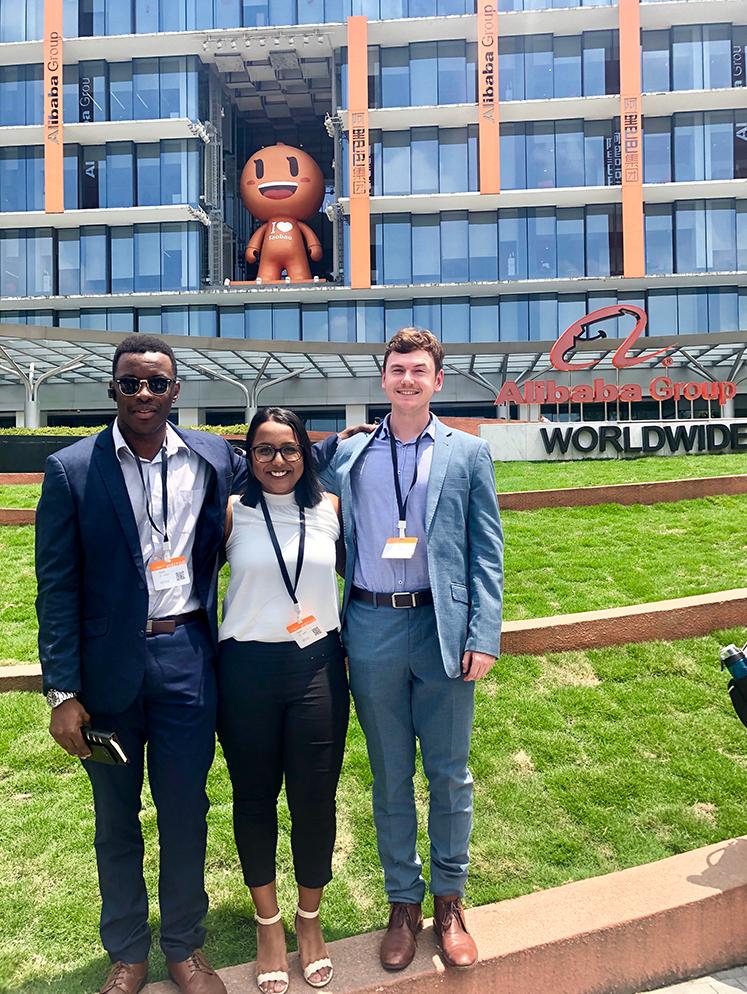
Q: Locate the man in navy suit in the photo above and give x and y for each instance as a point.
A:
(127, 535)
(421, 623)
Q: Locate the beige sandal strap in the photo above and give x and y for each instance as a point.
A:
(307, 914)
(268, 921)
(316, 966)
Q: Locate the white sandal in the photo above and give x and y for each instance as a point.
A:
(318, 964)
(281, 975)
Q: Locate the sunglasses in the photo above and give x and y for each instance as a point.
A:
(130, 385)
(266, 452)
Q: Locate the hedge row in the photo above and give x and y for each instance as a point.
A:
(80, 432)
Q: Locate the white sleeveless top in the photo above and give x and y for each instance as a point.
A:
(257, 606)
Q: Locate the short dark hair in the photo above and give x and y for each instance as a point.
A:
(140, 344)
(414, 339)
(308, 490)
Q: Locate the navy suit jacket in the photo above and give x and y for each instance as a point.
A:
(92, 600)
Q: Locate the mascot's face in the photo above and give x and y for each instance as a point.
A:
(282, 180)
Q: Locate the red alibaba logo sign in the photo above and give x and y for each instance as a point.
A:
(581, 331)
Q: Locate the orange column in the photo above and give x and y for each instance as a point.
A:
(487, 96)
(54, 195)
(360, 192)
(634, 257)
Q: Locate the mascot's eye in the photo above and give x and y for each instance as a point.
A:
(259, 168)
(293, 163)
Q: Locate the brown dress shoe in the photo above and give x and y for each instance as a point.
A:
(194, 975)
(398, 945)
(456, 944)
(125, 978)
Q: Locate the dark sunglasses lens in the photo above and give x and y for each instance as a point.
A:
(291, 453)
(158, 384)
(129, 385)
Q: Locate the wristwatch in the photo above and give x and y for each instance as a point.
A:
(57, 697)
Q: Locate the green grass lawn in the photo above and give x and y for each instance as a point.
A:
(558, 560)
(20, 495)
(513, 476)
(584, 763)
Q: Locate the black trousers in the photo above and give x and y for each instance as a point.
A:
(283, 712)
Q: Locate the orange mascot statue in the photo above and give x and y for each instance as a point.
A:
(283, 187)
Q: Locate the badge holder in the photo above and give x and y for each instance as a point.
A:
(400, 547)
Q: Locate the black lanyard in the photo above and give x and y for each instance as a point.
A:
(164, 496)
(402, 504)
(291, 588)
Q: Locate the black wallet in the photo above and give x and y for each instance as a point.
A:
(105, 746)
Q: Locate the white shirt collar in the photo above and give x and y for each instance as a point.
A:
(173, 443)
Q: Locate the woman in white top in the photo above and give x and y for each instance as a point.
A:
(283, 698)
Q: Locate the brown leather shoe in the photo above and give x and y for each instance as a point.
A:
(194, 975)
(125, 978)
(398, 945)
(456, 944)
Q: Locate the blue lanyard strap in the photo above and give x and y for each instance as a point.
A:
(291, 588)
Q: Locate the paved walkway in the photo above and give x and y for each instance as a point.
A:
(730, 981)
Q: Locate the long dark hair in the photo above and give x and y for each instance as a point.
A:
(308, 491)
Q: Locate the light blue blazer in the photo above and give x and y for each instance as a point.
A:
(464, 539)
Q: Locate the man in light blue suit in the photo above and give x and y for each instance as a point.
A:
(422, 621)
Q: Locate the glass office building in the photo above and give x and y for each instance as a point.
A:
(163, 101)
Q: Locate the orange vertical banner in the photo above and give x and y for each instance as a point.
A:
(54, 191)
(634, 254)
(487, 96)
(360, 170)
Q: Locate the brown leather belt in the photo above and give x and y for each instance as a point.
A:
(167, 626)
(403, 598)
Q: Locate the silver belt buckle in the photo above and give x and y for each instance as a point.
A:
(404, 593)
(149, 626)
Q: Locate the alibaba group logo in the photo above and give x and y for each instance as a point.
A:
(582, 331)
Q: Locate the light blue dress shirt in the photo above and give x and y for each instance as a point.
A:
(375, 512)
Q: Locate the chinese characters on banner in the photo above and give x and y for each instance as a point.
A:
(360, 173)
(632, 140)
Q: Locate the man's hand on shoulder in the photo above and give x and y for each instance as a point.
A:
(65, 724)
(476, 665)
(355, 430)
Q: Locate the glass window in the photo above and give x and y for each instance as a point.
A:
(514, 319)
(452, 160)
(689, 147)
(454, 247)
(512, 245)
(426, 248)
(690, 236)
(93, 177)
(12, 26)
(540, 145)
(657, 150)
(94, 275)
(723, 306)
(719, 144)
(742, 236)
(424, 160)
(173, 98)
(659, 238)
(543, 318)
(655, 58)
(396, 162)
(256, 13)
(231, 322)
(541, 243)
(286, 322)
(314, 323)
(34, 94)
(341, 318)
(423, 73)
(148, 175)
(598, 237)
(12, 263)
(483, 320)
(12, 95)
(123, 269)
(120, 91)
(283, 11)
(34, 19)
(661, 306)
(473, 151)
(452, 73)
(426, 313)
(68, 261)
(174, 257)
(511, 68)
(538, 59)
(70, 93)
(395, 78)
(692, 311)
(40, 265)
(397, 248)
(145, 89)
(567, 66)
(71, 179)
(118, 17)
(176, 165)
(258, 322)
(147, 257)
(12, 179)
(120, 174)
(397, 314)
(513, 157)
(370, 315)
(483, 247)
(687, 57)
(455, 318)
(601, 142)
(34, 183)
(721, 236)
(569, 153)
(570, 242)
(716, 56)
(203, 321)
(227, 13)
(146, 16)
(175, 320)
(600, 63)
(93, 91)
